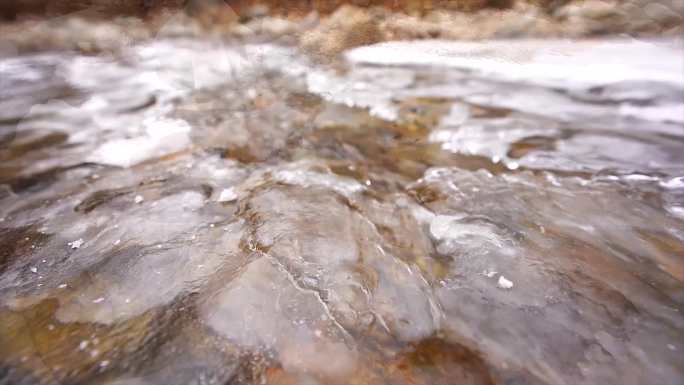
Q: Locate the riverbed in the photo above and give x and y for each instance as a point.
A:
(198, 211)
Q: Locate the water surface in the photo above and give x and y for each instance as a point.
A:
(202, 212)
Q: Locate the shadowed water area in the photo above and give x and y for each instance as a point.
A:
(202, 212)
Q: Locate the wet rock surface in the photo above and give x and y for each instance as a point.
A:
(460, 213)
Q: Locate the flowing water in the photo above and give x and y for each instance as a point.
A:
(203, 212)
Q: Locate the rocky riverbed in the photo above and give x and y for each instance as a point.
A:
(205, 211)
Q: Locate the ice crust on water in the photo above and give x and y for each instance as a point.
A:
(76, 244)
(340, 266)
(161, 136)
(228, 195)
(453, 234)
(489, 273)
(503, 283)
(304, 178)
(540, 61)
(370, 88)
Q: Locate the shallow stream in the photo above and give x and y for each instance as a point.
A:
(203, 212)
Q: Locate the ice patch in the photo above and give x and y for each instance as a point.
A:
(549, 63)
(674, 183)
(305, 178)
(454, 236)
(76, 244)
(665, 113)
(677, 211)
(449, 227)
(503, 283)
(228, 195)
(162, 136)
(364, 88)
(489, 273)
(490, 140)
